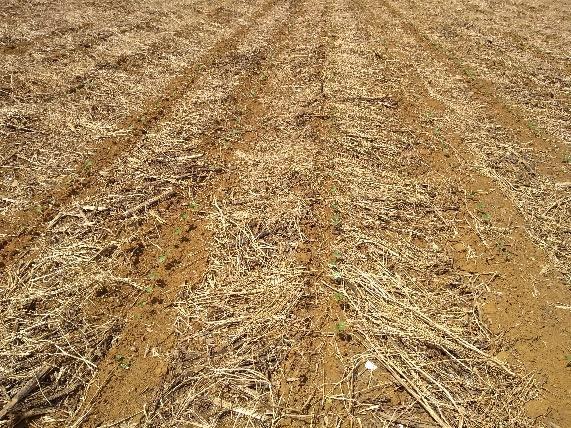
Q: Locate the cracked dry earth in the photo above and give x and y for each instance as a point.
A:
(285, 213)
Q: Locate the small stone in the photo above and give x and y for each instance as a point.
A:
(369, 365)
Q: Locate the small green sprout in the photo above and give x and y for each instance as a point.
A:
(178, 231)
(469, 72)
(88, 164)
(340, 326)
(336, 275)
(484, 215)
(123, 362)
(336, 220)
(162, 258)
(339, 297)
(336, 216)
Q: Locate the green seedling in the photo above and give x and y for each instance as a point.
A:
(336, 219)
(123, 362)
(484, 215)
(190, 206)
(504, 249)
(340, 297)
(162, 258)
(88, 164)
(335, 274)
(340, 327)
(336, 216)
(469, 72)
(341, 331)
(178, 231)
(501, 247)
(148, 289)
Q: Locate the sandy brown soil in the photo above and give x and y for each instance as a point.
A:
(285, 213)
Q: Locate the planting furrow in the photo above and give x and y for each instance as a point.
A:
(256, 341)
(406, 302)
(176, 263)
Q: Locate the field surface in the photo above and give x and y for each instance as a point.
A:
(285, 213)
